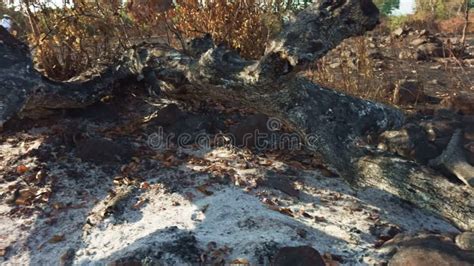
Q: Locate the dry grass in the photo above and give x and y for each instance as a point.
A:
(69, 41)
(245, 26)
(354, 73)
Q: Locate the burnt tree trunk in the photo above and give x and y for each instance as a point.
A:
(331, 123)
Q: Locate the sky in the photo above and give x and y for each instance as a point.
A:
(406, 7)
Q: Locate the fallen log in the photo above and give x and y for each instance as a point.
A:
(454, 160)
(419, 185)
(330, 123)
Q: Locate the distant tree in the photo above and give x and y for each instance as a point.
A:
(387, 6)
(466, 8)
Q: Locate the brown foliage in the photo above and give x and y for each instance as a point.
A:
(70, 40)
(243, 25)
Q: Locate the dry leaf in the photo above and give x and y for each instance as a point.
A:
(26, 196)
(240, 262)
(305, 214)
(329, 260)
(286, 211)
(203, 190)
(266, 163)
(320, 219)
(145, 186)
(139, 204)
(296, 165)
(40, 176)
(326, 172)
(21, 169)
(58, 205)
(56, 239)
(268, 202)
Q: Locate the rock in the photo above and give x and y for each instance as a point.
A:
(384, 232)
(431, 50)
(469, 147)
(402, 141)
(67, 258)
(282, 183)
(182, 127)
(436, 129)
(441, 143)
(400, 32)
(470, 158)
(427, 250)
(103, 151)
(424, 33)
(461, 102)
(126, 262)
(193, 124)
(411, 142)
(252, 132)
(442, 114)
(424, 152)
(200, 45)
(453, 159)
(405, 54)
(408, 92)
(436, 67)
(168, 115)
(335, 65)
(379, 65)
(469, 132)
(375, 54)
(420, 56)
(418, 41)
(298, 256)
(465, 241)
(469, 62)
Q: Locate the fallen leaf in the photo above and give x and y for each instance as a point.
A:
(26, 196)
(21, 169)
(320, 219)
(296, 165)
(56, 239)
(204, 208)
(302, 233)
(329, 260)
(139, 204)
(203, 190)
(326, 172)
(240, 262)
(305, 214)
(57, 205)
(145, 186)
(266, 163)
(268, 202)
(286, 211)
(3, 251)
(40, 176)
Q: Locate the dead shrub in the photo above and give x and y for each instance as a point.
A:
(354, 73)
(68, 41)
(243, 25)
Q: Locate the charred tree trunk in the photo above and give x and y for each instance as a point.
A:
(331, 123)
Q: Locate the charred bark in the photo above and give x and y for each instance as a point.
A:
(331, 123)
